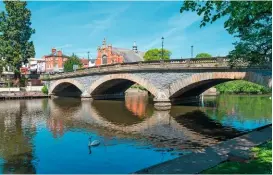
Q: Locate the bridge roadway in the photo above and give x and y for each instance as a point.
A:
(168, 81)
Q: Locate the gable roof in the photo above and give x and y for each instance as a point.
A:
(129, 55)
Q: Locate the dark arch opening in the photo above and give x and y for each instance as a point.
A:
(194, 90)
(67, 90)
(112, 89)
(197, 88)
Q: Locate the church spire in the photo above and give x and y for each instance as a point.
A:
(104, 43)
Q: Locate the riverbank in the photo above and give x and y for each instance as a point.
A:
(260, 163)
(210, 157)
(21, 95)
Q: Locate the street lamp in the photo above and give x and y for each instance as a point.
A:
(162, 48)
(191, 51)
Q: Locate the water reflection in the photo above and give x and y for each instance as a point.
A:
(31, 131)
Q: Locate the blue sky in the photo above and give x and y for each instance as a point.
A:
(78, 27)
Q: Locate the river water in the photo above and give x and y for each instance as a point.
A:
(52, 136)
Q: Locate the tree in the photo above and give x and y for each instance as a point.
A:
(73, 60)
(203, 55)
(156, 54)
(15, 34)
(250, 21)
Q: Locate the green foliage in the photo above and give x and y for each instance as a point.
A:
(45, 90)
(23, 81)
(261, 164)
(241, 87)
(137, 86)
(73, 60)
(242, 106)
(250, 21)
(203, 55)
(16, 31)
(156, 54)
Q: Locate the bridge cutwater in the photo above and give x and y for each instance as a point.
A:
(168, 81)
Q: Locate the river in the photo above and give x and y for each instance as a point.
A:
(52, 136)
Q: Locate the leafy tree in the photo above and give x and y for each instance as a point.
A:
(203, 55)
(250, 21)
(15, 33)
(156, 54)
(73, 60)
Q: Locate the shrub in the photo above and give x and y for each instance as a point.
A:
(45, 90)
(241, 87)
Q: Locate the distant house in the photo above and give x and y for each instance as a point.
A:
(54, 62)
(110, 55)
(87, 62)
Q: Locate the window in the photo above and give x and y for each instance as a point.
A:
(104, 59)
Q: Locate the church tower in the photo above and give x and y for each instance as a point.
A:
(135, 47)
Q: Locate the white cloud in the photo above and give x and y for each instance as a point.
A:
(106, 22)
(64, 46)
(175, 27)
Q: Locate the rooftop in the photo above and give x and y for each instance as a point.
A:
(129, 55)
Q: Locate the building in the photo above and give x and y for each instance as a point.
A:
(54, 62)
(87, 62)
(110, 55)
(6, 76)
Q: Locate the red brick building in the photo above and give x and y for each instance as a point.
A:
(110, 55)
(55, 61)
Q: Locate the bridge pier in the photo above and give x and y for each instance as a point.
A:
(162, 105)
(86, 97)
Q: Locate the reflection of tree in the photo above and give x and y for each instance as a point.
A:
(232, 108)
(15, 144)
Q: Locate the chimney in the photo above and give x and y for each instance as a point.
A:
(53, 50)
(59, 53)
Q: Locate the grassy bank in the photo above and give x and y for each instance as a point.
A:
(260, 164)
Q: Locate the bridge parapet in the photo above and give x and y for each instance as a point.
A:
(204, 63)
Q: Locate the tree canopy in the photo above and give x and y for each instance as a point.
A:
(73, 60)
(156, 54)
(203, 55)
(15, 34)
(250, 21)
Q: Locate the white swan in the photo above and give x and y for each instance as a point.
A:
(93, 143)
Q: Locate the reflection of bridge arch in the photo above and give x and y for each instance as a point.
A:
(158, 124)
(119, 83)
(199, 82)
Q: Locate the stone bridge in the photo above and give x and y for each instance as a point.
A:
(168, 81)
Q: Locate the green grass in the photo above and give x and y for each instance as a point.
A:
(261, 164)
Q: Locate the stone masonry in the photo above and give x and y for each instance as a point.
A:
(164, 80)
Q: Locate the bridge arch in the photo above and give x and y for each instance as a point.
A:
(66, 87)
(199, 82)
(116, 83)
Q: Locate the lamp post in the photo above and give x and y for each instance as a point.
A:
(162, 48)
(191, 51)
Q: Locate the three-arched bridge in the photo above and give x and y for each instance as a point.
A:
(167, 81)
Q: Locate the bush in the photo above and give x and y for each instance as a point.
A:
(45, 90)
(241, 87)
